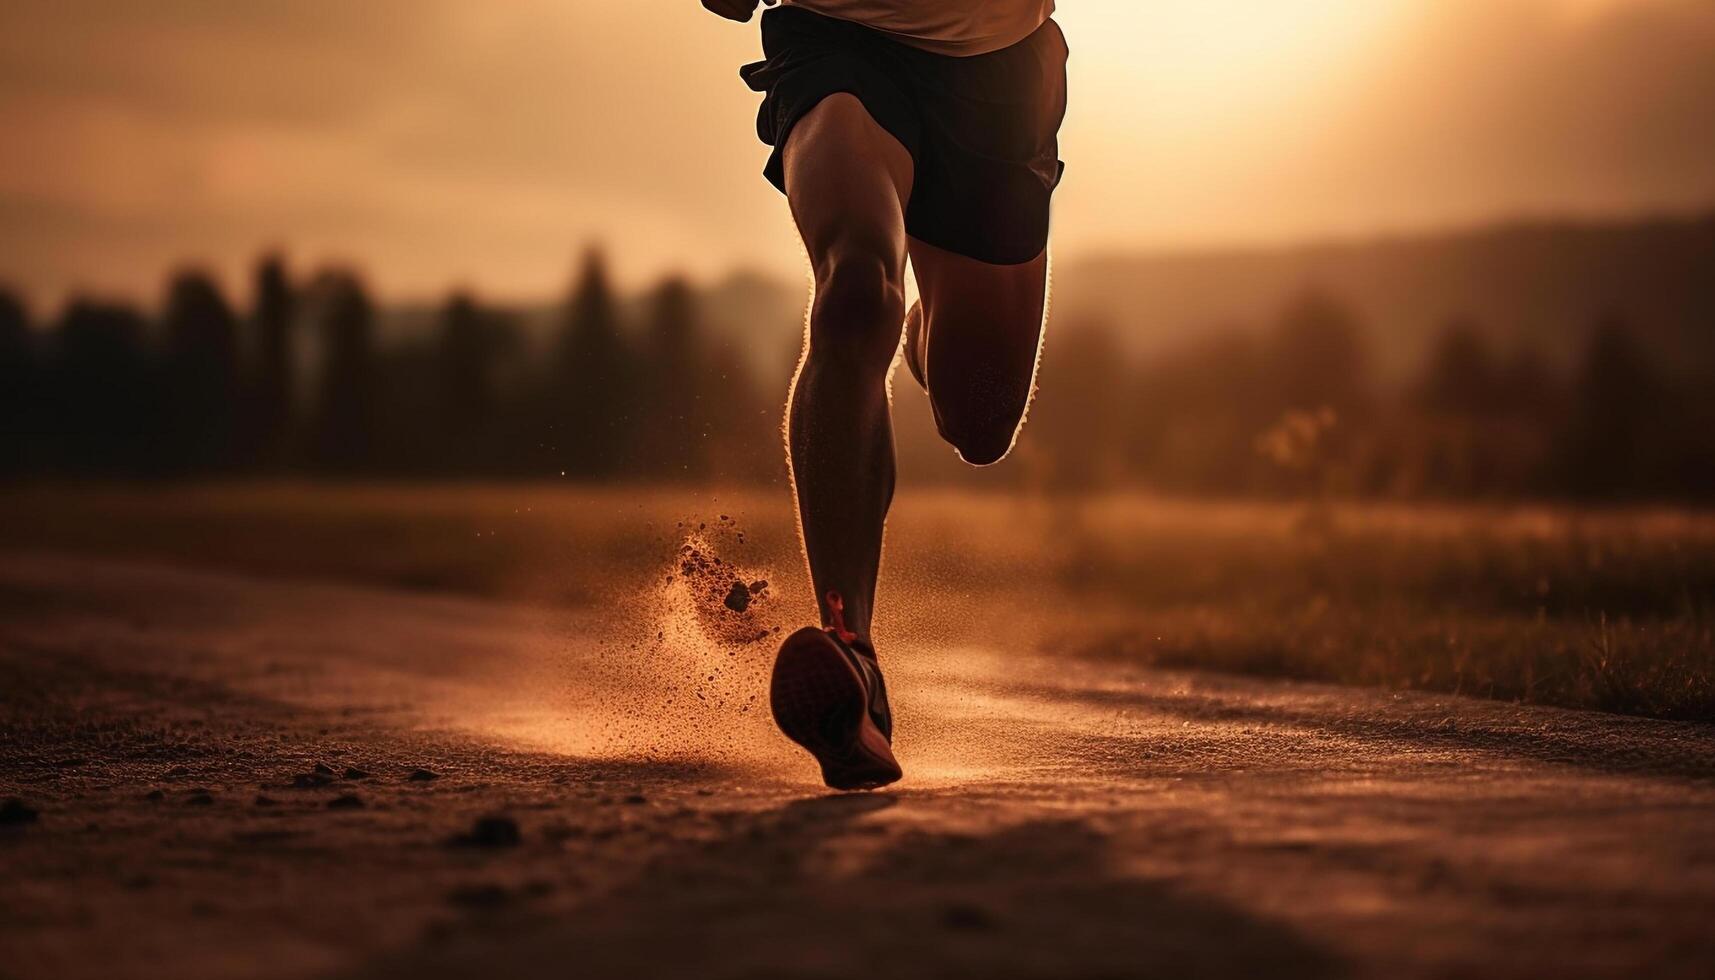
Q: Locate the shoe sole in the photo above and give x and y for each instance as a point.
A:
(818, 701)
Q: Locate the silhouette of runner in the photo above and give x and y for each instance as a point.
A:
(900, 128)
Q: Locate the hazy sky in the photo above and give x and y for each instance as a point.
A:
(437, 142)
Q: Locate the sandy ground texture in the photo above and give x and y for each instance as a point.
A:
(216, 776)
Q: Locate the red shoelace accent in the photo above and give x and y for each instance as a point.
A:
(837, 613)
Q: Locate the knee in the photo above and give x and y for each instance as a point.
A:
(980, 421)
(981, 445)
(859, 309)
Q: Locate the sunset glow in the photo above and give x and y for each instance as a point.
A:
(439, 142)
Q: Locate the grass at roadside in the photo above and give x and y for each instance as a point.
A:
(1611, 610)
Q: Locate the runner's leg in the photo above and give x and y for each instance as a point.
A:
(981, 331)
(848, 181)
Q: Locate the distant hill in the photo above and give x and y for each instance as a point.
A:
(1536, 284)
(1539, 284)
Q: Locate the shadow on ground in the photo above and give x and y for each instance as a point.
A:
(813, 888)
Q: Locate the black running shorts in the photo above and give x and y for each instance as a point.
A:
(982, 131)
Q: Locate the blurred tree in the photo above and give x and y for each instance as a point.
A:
(1458, 399)
(675, 418)
(1610, 445)
(1317, 357)
(199, 385)
(593, 388)
(471, 343)
(1531, 398)
(1195, 412)
(743, 424)
(272, 316)
(1074, 437)
(104, 418)
(19, 387)
(1460, 378)
(1527, 388)
(1318, 363)
(346, 410)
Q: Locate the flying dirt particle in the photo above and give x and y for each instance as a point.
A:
(266, 801)
(352, 772)
(199, 799)
(16, 813)
(489, 832)
(637, 799)
(422, 776)
(347, 801)
(737, 598)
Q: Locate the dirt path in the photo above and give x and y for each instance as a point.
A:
(1058, 818)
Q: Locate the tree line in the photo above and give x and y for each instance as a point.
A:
(300, 380)
(1296, 408)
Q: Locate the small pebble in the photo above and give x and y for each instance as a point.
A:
(967, 918)
(347, 801)
(480, 896)
(490, 832)
(15, 813)
(422, 776)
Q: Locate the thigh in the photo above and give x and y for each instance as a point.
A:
(848, 181)
(983, 322)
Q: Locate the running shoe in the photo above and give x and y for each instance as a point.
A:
(827, 694)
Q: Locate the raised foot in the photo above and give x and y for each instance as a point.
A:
(821, 700)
